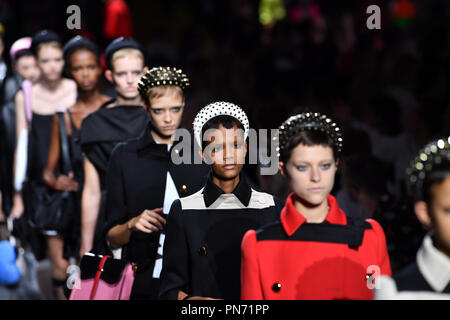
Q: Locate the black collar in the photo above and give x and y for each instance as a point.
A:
(242, 191)
(146, 139)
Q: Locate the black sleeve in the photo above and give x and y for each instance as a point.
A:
(175, 270)
(115, 207)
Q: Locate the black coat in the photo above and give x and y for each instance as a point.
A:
(136, 180)
(103, 129)
(202, 251)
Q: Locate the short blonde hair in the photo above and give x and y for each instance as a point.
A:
(127, 52)
(163, 90)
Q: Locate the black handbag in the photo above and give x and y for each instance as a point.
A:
(53, 210)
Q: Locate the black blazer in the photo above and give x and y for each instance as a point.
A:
(202, 249)
(136, 180)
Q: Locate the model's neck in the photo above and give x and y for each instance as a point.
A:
(312, 213)
(51, 85)
(227, 186)
(89, 97)
(121, 101)
(161, 139)
(440, 246)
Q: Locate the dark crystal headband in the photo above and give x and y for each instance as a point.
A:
(162, 76)
(433, 154)
(309, 121)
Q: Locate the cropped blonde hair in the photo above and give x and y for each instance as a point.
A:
(127, 52)
(163, 90)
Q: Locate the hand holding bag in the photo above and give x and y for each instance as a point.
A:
(103, 278)
(52, 209)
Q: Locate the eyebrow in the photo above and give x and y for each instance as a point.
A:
(164, 107)
(299, 162)
(126, 71)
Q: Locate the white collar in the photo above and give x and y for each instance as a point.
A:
(433, 264)
(168, 145)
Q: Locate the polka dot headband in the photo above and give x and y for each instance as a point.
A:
(219, 109)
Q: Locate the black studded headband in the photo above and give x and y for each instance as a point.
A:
(433, 154)
(312, 121)
(162, 76)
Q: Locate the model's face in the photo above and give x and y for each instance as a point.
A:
(127, 72)
(50, 62)
(310, 173)
(225, 152)
(440, 213)
(28, 69)
(84, 69)
(166, 112)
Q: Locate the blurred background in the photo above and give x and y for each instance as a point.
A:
(387, 88)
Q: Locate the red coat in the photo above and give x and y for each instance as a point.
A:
(293, 259)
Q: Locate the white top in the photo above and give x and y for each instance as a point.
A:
(170, 195)
(434, 267)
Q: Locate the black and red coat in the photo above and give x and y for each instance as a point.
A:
(293, 259)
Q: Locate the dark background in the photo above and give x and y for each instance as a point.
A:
(336, 65)
(388, 89)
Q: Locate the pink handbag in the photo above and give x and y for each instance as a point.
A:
(103, 278)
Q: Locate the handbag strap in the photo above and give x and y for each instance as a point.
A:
(63, 137)
(97, 275)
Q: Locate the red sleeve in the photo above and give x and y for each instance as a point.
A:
(250, 281)
(382, 253)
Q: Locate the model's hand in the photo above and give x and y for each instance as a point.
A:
(148, 221)
(17, 208)
(66, 183)
(201, 298)
(184, 296)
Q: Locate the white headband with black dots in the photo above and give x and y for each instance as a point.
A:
(216, 109)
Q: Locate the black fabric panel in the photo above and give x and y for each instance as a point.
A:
(351, 234)
(411, 279)
(112, 269)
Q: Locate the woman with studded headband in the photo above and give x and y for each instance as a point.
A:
(204, 230)
(429, 184)
(143, 181)
(315, 251)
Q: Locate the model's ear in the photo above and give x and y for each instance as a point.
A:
(200, 152)
(144, 71)
(282, 167)
(422, 213)
(109, 76)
